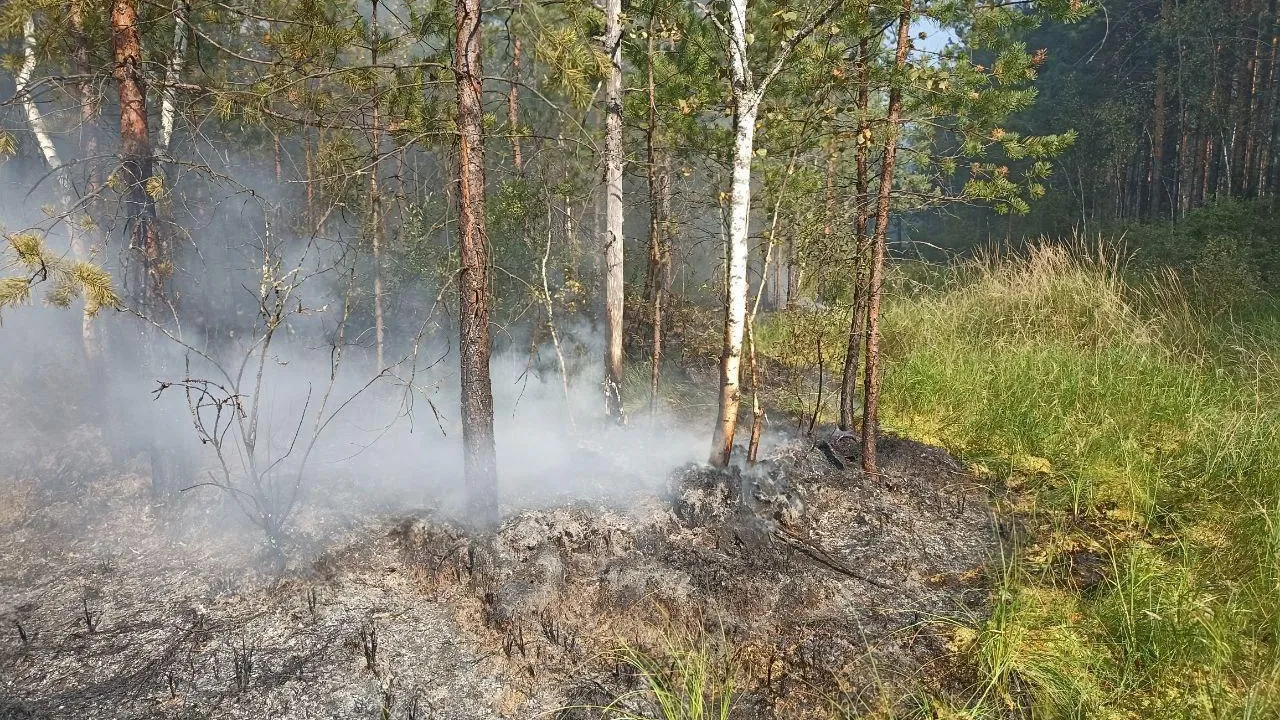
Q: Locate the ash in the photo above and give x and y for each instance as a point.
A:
(820, 585)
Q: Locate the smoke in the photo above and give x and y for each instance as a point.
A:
(257, 393)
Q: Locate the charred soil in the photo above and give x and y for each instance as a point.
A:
(815, 587)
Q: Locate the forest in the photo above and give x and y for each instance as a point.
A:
(657, 360)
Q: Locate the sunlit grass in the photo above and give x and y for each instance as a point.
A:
(687, 678)
(1135, 424)
(1156, 434)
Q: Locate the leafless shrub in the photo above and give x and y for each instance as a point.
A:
(369, 643)
(229, 410)
(92, 620)
(242, 657)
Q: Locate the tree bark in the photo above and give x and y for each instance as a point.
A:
(479, 456)
(551, 324)
(148, 268)
(1156, 175)
(88, 100)
(149, 263)
(375, 199)
(858, 314)
(613, 281)
(875, 279)
(746, 104)
(168, 109)
(66, 194)
(657, 253)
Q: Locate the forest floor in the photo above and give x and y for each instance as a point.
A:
(809, 589)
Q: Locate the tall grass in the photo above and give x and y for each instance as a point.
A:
(686, 679)
(1143, 431)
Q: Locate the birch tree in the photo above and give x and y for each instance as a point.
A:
(173, 73)
(747, 95)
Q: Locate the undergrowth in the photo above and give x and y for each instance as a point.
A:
(1140, 430)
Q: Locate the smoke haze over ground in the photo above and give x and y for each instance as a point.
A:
(391, 434)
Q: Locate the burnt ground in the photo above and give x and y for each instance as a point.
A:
(813, 586)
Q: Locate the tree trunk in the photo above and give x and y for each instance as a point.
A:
(655, 272)
(792, 265)
(181, 11)
(551, 324)
(1242, 83)
(479, 457)
(513, 106)
(613, 281)
(1155, 178)
(875, 279)
(746, 105)
(88, 100)
(858, 314)
(1271, 120)
(147, 269)
(149, 264)
(66, 194)
(375, 200)
(757, 412)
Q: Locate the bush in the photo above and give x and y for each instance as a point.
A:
(1230, 251)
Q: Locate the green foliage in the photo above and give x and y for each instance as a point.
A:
(69, 279)
(1229, 251)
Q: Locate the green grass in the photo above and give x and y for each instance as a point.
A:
(1134, 426)
(687, 678)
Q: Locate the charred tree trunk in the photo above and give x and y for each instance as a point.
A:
(875, 278)
(479, 457)
(613, 259)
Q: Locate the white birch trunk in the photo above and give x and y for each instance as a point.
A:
(35, 120)
(746, 102)
(172, 74)
(736, 290)
(613, 211)
(49, 151)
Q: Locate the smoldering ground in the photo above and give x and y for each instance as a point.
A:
(306, 556)
(273, 331)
